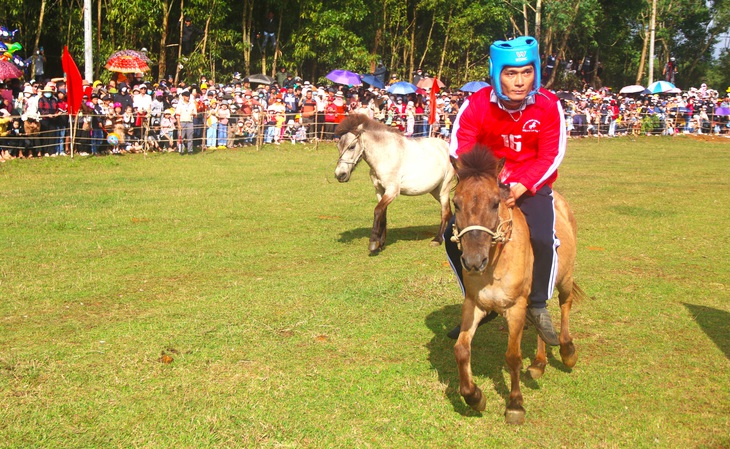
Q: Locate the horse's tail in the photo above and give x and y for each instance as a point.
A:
(578, 293)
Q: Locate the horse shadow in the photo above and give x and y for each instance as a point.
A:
(408, 233)
(488, 351)
(715, 323)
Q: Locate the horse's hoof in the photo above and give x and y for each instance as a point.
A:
(536, 370)
(515, 416)
(569, 354)
(481, 404)
(374, 248)
(435, 243)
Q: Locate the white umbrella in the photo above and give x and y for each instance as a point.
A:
(633, 89)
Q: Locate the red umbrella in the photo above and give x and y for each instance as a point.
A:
(427, 83)
(8, 70)
(126, 64)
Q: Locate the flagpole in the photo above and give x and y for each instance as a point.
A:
(73, 134)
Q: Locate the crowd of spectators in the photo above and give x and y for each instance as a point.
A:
(135, 115)
(603, 113)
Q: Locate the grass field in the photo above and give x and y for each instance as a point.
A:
(228, 299)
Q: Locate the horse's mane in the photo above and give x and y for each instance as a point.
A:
(353, 121)
(478, 162)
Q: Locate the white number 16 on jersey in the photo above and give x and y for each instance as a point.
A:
(513, 142)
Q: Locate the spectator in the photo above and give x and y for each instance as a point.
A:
(184, 114)
(39, 62)
(670, 70)
(189, 34)
(224, 114)
(269, 30)
(48, 112)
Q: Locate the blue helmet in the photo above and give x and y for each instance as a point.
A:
(518, 52)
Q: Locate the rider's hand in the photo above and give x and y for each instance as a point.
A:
(516, 191)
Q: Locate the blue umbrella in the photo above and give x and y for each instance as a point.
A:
(372, 80)
(344, 77)
(474, 86)
(658, 87)
(402, 88)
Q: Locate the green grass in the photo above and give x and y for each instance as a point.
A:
(250, 269)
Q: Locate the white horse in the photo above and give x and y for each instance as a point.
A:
(397, 166)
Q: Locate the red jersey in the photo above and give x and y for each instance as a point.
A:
(532, 141)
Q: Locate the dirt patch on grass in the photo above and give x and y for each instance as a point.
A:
(708, 138)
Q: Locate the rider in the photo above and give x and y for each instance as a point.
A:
(523, 123)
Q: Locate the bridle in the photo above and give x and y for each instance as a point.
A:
(500, 235)
(356, 159)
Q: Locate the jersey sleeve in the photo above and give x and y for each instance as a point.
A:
(466, 127)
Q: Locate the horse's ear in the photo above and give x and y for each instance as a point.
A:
(504, 192)
(455, 163)
(360, 128)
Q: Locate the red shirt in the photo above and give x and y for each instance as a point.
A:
(532, 141)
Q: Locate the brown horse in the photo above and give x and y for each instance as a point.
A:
(497, 260)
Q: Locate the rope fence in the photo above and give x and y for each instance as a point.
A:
(150, 133)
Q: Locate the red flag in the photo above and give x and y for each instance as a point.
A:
(74, 84)
(434, 90)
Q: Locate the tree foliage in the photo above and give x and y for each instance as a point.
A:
(449, 38)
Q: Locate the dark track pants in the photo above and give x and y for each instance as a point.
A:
(539, 213)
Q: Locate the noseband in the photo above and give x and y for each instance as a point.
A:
(498, 236)
(357, 140)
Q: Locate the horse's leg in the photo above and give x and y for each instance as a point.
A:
(470, 317)
(537, 367)
(442, 196)
(515, 413)
(567, 291)
(377, 235)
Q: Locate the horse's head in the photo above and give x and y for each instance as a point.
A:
(477, 200)
(351, 149)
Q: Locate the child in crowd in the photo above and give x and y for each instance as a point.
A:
(239, 133)
(301, 135)
(211, 124)
(167, 130)
(153, 138)
(249, 131)
(132, 143)
(291, 131)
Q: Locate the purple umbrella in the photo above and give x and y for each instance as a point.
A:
(344, 77)
(722, 111)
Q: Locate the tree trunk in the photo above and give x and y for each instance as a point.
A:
(162, 63)
(207, 27)
(428, 42)
(563, 45)
(38, 35)
(538, 21)
(98, 30)
(179, 47)
(524, 19)
(640, 72)
(446, 42)
(412, 57)
(278, 42)
(246, 28)
(68, 31)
